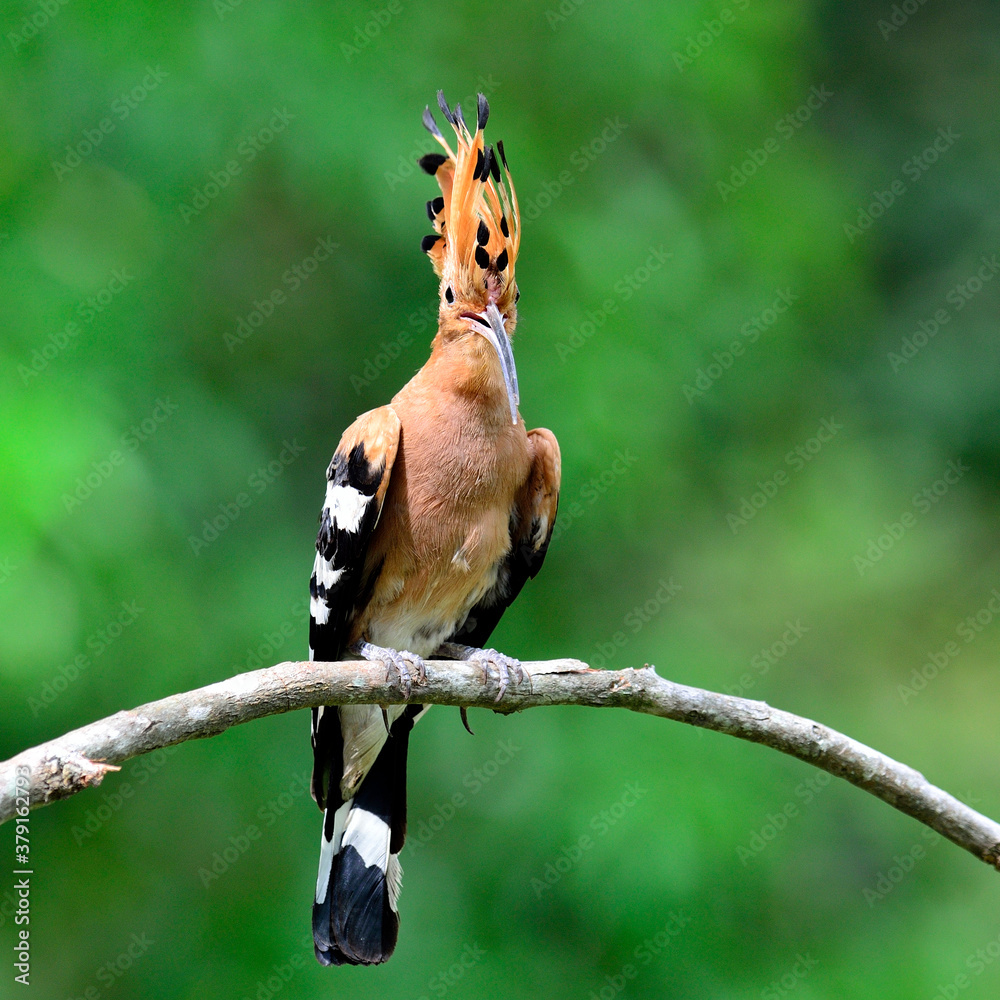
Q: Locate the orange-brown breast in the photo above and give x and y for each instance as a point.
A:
(445, 524)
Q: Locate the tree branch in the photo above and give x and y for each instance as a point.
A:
(66, 765)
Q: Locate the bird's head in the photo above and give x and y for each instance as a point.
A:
(477, 232)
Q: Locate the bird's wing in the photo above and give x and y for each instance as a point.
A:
(531, 523)
(343, 576)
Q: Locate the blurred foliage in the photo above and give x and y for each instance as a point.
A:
(684, 170)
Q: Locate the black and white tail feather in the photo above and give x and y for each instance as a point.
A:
(356, 913)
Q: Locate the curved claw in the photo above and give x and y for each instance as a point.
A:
(504, 665)
(488, 660)
(397, 660)
(405, 681)
(394, 660)
(465, 720)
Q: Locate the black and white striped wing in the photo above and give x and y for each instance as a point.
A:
(355, 919)
(356, 484)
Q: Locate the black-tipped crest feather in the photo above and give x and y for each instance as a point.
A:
(478, 204)
(430, 124)
(431, 162)
(445, 110)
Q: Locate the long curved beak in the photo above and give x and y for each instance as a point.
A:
(490, 325)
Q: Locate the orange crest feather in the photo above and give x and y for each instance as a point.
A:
(476, 220)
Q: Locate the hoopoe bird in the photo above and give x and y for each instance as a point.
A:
(438, 509)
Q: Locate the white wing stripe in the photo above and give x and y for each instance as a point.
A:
(346, 506)
(325, 573)
(319, 610)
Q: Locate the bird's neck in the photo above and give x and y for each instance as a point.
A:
(468, 367)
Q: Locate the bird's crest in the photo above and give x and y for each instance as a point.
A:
(477, 225)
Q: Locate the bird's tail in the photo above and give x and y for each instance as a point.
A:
(355, 915)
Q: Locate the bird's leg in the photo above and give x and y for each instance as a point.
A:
(488, 660)
(393, 659)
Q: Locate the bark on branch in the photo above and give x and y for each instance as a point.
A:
(81, 758)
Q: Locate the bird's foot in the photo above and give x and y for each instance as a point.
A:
(394, 660)
(489, 661)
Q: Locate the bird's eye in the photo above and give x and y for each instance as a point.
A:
(517, 295)
(449, 294)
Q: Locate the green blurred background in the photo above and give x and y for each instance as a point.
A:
(692, 176)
